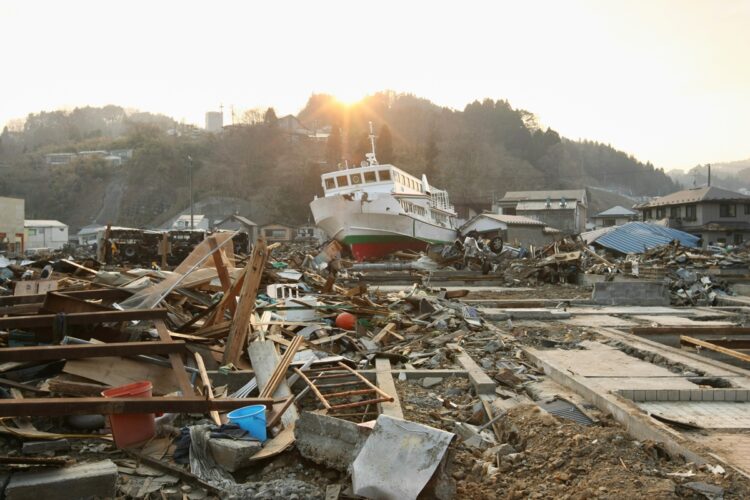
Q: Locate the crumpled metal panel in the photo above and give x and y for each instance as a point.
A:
(637, 237)
(398, 459)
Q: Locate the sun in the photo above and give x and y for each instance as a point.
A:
(348, 97)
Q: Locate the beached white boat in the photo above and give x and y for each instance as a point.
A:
(378, 209)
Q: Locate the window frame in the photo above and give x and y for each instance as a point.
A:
(725, 212)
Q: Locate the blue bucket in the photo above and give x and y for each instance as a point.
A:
(252, 419)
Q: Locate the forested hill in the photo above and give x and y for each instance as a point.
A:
(484, 150)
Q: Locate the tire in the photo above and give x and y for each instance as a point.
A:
(496, 244)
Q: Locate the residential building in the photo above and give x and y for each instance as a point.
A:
(615, 216)
(515, 230)
(59, 158)
(714, 214)
(12, 212)
(277, 232)
(87, 235)
(239, 223)
(200, 221)
(565, 210)
(51, 234)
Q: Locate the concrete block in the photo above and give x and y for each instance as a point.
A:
(730, 395)
(37, 447)
(662, 395)
(719, 395)
(696, 395)
(652, 395)
(741, 395)
(627, 394)
(684, 395)
(631, 293)
(674, 395)
(233, 454)
(428, 382)
(639, 396)
(707, 395)
(329, 441)
(94, 479)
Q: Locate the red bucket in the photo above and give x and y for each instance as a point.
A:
(130, 429)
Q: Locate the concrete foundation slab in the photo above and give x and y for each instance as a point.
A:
(233, 454)
(94, 479)
(635, 293)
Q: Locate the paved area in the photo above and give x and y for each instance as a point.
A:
(709, 415)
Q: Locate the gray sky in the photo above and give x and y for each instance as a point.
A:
(665, 80)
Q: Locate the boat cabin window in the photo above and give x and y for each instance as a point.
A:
(385, 175)
(356, 179)
(342, 180)
(370, 177)
(330, 183)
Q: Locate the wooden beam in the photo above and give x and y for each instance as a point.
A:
(680, 330)
(238, 333)
(80, 351)
(483, 384)
(221, 270)
(60, 303)
(732, 343)
(384, 379)
(113, 294)
(207, 386)
(109, 406)
(86, 318)
(178, 367)
(684, 339)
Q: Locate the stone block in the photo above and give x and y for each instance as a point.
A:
(93, 479)
(233, 454)
(37, 447)
(428, 382)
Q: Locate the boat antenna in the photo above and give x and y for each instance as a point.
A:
(371, 156)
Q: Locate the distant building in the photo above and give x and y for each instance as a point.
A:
(714, 214)
(115, 157)
(615, 216)
(87, 235)
(515, 230)
(200, 221)
(12, 212)
(59, 158)
(214, 121)
(51, 234)
(239, 223)
(565, 210)
(277, 232)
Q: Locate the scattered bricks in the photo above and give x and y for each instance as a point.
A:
(233, 454)
(631, 293)
(39, 447)
(95, 479)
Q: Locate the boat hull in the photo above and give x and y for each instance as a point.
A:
(375, 228)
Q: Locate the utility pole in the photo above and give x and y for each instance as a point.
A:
(190, 187)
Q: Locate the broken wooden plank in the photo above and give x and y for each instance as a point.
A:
(238, 333)
(483, 384)
(85, 318)
(384, 379)
(178, 367)
(684, 339)
(116, 371)
(221, 269)
(81, 351)
(207, 386)
(679, 330)
(109, 406)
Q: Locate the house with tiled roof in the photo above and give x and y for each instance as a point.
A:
(716, 215)
(564, 209)
(615, 216)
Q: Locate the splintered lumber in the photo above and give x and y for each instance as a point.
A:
(207, 386)
(112, 294)
(684, 339)
(279, 373)
(178, 367)
(79, 351)
(221, 269)
(56, 302)
(84, 318)
(41, 407)
(387, 330)
(218, 313)
(237, 339)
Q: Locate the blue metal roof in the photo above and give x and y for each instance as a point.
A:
(637, 237)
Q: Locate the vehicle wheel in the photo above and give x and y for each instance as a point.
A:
(496, 244)
(129, 252)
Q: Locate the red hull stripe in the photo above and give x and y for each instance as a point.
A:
(372, 251)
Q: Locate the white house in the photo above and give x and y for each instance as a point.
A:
(51, 234)
(200, 221)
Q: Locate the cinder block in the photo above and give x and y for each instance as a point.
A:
(684, 394)
(730, 395)
(627, 393)
(674, 395)
(652, 395)
(719, 395)
(741, 395)
(95, 479)
(662, 395)
(696, 395)
(233, 454)
(707, 395)
(639, 396)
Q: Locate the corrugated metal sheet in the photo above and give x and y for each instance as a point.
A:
(637, 237)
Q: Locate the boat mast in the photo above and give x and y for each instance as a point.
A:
(371, 156)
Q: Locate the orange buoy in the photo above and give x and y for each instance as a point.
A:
(346, 321)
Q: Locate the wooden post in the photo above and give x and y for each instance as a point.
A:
(237, 340)
(178, 366)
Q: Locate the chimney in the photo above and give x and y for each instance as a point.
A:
(709, 174)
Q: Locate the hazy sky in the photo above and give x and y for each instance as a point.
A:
(668, 81)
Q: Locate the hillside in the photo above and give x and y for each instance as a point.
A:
(477, 153)
(733, 175)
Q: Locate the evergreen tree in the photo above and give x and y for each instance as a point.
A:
(384, 145)
(270, 117)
